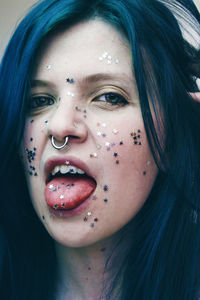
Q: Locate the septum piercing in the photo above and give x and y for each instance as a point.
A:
(59, 147)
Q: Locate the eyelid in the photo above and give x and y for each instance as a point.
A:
(41, 94)
(109, 89)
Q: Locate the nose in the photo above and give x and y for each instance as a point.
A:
(67, 121)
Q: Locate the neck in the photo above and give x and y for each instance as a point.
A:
(82, 270)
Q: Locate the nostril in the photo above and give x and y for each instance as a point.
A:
(73, 137)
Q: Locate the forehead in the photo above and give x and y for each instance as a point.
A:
(84, 46)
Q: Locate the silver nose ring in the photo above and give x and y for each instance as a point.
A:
(59, 147)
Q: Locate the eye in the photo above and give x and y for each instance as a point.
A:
(113, 99)
(41, 101)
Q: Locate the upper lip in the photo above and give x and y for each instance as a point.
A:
(54, 161)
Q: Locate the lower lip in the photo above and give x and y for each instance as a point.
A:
(70, 212)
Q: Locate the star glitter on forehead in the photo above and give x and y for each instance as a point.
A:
(70, 94)
(70, 80)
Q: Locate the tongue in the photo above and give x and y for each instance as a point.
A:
(68, 192)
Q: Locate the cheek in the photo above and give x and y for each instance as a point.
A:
(129, 168)
(31, 146)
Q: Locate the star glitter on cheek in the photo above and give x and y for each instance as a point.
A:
(85, 113)
(108, 146)
(48, 67)
(77, 108)
(98, 146)
(98, 133)
(105, 188)
(31, 157)
(93, 155)
(136, 137)
(115, 131)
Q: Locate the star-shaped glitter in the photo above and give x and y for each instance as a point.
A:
(98, 133)
(105, 188)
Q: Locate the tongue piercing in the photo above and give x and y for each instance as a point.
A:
(59, 147)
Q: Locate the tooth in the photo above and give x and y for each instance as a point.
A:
(55, 170)
(80, 171)
(72, 170)
(64, 169)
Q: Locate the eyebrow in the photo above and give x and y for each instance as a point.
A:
(104, 77)
(94, 78)
(39, 82)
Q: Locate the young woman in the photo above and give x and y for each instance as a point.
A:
(100, 152)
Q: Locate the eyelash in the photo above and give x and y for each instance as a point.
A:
(41, 101)
(115, 99)
(110, 99)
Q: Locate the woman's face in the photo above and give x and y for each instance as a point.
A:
(83, 87)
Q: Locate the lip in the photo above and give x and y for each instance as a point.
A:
(55, 160)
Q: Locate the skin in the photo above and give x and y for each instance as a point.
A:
(75, 53)
(196, 96)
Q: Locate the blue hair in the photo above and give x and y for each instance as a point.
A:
(162, 256)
